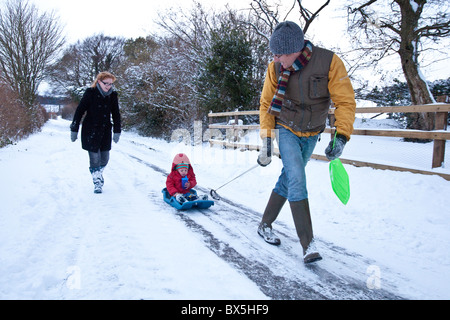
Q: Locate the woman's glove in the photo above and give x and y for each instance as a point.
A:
(116, 137)
(73, 136)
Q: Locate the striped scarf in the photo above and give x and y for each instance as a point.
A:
(299, 63)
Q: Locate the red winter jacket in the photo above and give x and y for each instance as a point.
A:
(173, 182)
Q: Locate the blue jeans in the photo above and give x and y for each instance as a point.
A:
(295, 153)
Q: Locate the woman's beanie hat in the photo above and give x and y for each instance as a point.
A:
(287, 38)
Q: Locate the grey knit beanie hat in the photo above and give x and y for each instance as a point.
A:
(287, 38)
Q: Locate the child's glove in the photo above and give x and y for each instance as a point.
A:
(180, 198)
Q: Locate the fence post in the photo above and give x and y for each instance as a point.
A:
(439, 145)
(331, 119)
(236, 131)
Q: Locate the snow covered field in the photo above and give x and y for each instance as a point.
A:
(59, 240)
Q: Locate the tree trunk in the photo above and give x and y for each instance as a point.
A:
(419, 92)
(418, 88)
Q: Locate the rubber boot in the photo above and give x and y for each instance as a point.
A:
(303, 225)
(102, 180)
(97, 179)
(271, 212)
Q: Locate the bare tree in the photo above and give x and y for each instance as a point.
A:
(267, 17)
(189, 35)
(192, 28)
(269, 14)
(82, 61)
(29, 42)
(405, 27)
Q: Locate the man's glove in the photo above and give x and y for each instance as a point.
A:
(265, 154)
(336, 151)
(73, 135)
(116, 137)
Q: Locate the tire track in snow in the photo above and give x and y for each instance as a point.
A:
(320, 283)
(287, 259)
(337, 281)
(272, 285)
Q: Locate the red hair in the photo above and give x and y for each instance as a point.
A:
(102, 76)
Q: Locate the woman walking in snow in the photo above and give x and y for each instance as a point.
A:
(99, 102)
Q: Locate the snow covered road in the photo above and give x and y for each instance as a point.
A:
(59, 240)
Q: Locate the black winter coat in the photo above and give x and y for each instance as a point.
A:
(96, 129)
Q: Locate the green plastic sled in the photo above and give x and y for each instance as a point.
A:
(339, 180)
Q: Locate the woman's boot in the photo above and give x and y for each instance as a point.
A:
(102, 180)
(97, 179)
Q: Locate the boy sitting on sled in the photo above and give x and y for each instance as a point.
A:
(181, 180)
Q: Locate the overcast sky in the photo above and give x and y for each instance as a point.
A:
(126, 18)
(133, 18)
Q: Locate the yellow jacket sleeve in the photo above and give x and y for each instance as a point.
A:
(341, 92)
(343, 97)
(266, 120)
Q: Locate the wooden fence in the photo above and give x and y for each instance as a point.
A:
(439, 135)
